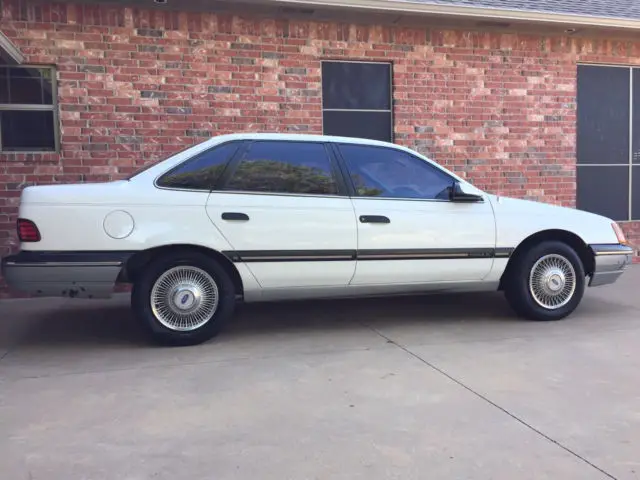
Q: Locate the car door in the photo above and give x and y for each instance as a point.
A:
(283, 208)
(408, 229)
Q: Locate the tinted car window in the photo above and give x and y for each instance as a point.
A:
(284, 167)
(386, 172)
(201, 172)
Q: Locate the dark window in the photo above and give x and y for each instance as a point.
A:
(356, 85)
(201, 172)
(635, 208)
(386, 172)
(284, 167)
(604, 190)
(608, 141)
(26, 130)
(603, 115)
(28, 117)
(372, 125)
(356, 100)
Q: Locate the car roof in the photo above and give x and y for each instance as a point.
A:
(300, 137)
(175, 159)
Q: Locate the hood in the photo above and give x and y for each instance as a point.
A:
(518, 219)
(531, 207)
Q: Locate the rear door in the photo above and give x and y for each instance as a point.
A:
(283, 207)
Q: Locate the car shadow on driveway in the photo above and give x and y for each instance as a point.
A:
(111, 323)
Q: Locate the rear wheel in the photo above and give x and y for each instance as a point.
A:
(183, 299)
(547, 282)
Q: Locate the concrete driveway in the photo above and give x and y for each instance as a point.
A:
(437, 387)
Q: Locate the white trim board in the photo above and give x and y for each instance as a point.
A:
(413, 7)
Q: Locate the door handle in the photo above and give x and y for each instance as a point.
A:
(238, 216)
(374, 219)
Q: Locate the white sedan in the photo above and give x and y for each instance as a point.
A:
(258, 217)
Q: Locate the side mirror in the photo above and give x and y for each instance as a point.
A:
(460, 193)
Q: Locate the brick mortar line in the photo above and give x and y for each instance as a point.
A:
(492, 403)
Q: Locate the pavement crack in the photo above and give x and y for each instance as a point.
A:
(5, 354)
(492, 403)
(183, 364)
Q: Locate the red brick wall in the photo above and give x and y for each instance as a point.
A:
(137, 84)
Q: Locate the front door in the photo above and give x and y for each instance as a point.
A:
(282, 208)
(408, 229)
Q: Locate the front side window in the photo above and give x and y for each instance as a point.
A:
(391, 173)
(284, 167)
(201, 172)
(28, 118)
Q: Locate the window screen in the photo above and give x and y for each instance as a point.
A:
(356, 100)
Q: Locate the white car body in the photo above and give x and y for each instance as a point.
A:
(294, 246)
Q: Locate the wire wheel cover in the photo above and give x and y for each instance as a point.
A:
(184, 298)
(552, 281)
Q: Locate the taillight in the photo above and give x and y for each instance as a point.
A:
(27, 231)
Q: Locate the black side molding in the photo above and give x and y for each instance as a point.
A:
(426, 254)
(364, 255)
(503, 252)
(71, 257)
(291, 255)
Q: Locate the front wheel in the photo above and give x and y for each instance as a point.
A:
(183, 299)
(547, 282)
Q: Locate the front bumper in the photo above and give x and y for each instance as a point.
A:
(610, 262)
(64, 274)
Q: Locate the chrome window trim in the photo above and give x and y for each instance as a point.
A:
(433, 200)
(355, 110)
(240, 192)
(603, 165)
(308, 195)
(278, 194)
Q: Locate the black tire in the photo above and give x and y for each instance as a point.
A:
(159, 332)
(517, 282)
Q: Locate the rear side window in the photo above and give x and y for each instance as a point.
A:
(202, 171)
(284, 167)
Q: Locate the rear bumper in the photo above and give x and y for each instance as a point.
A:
(64, 274)
(610, 262)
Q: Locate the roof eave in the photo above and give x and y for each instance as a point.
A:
(474, 12)
(9, 52)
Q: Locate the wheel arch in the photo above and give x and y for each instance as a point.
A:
(574, 241)
(136, 263)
